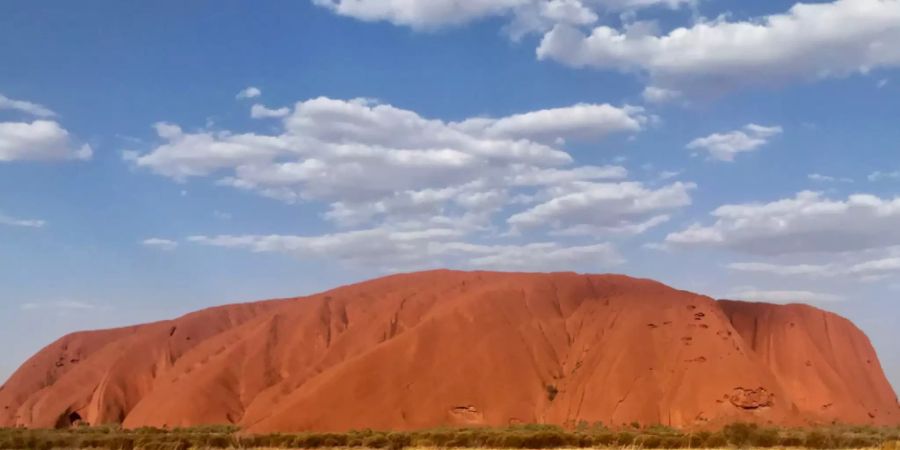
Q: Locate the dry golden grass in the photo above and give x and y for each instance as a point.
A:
(734, 436)
(895, 445)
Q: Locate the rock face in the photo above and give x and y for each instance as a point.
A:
(463, 348)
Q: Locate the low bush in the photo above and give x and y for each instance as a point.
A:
(740, 435)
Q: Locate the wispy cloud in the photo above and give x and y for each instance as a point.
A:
(160, 244)
(820, 178)
(58, 305)
(782, 296)
(28, 223)
(250, 92)
(882, 176)
(26, 107)
(725, 146)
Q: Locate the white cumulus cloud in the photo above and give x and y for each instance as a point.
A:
(524, 15)
(372, 161)
(580, 121)
(590, 207)
(258, 111)
(406, 191)
(654, 94)
(40, 140)
(809, 41)
(806, 223)
(725, 146)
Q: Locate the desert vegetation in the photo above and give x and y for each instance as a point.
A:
(739, 435)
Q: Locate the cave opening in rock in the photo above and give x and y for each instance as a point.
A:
(68, 419)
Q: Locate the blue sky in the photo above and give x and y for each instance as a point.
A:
(737, 150)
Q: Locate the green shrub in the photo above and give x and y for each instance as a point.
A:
(698, 439)
(739, 434)
(375, 441)
(818, 439)
(716, 440)
(398, 441)
(544, 439)
(582, 426)
(792, 439)
(649, 442)
(625, 439)
(603, 439)
(858, 441)
(660, 429)
(680, 441)
(765, 437)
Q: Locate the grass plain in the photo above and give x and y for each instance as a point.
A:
(739, 435)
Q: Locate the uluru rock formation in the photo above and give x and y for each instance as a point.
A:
(463, 348)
